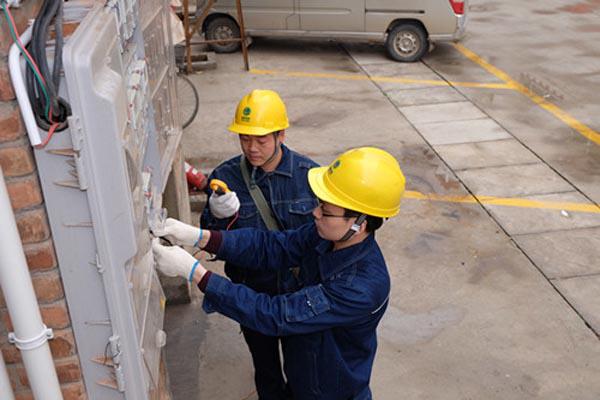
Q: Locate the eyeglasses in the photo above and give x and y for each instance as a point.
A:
(328, 215)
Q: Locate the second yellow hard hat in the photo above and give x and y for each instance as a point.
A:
(367, 179)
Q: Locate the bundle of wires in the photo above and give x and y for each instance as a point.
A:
(50, 110)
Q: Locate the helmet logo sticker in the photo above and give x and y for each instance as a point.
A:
(333, 166)
(246, 112)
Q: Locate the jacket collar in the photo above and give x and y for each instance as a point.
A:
(333, 262)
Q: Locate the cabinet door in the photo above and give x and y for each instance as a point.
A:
(332, 15)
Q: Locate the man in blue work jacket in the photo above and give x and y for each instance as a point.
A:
(330, 322)
(280, 174)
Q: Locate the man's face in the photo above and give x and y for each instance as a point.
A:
(330, 221)
(258, 149)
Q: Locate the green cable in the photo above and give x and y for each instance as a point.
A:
(37, 76)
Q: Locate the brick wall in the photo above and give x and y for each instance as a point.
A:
(18, 165)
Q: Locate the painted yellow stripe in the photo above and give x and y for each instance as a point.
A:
(506, 201)
(359, 77)
(562, 115)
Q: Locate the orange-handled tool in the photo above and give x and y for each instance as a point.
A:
(218, 186)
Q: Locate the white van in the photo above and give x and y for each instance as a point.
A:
(405, 26)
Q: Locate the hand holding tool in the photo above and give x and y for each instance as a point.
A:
(223, 202)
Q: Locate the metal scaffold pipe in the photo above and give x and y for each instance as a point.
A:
(30, 334)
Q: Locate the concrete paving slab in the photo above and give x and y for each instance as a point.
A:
(564, 254)
(431, 95)
(486, 154)
(456, 132)
(399, 70)
(514, 180)
(518, 221)
(584, 294)
(445, 112)
(470, 317)
(368, 53)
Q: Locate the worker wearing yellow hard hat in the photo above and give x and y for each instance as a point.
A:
(329, 321)
(268, 169)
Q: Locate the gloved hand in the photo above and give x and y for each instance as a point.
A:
(179, 233)
(174, 261)
(225, 205)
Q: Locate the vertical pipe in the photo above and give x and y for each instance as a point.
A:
(6, 392)
(30, 335)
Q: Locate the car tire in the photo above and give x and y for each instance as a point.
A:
(223, 28)
(407, 42)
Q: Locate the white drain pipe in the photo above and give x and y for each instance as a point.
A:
(30, 335)
(5, 388)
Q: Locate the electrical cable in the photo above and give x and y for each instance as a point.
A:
(17, 39)
(50, 112)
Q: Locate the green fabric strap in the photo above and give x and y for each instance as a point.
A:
(259, 199)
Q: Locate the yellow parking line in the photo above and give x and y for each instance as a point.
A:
(562, 115)
(357, 77)
(506, 201)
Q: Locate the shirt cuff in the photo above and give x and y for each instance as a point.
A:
(214, 243)
(204, 281)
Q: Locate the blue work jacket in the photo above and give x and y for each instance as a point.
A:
(329, 324)
(287, 190)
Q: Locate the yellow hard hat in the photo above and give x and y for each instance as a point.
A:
(367, 180)
(259, 113)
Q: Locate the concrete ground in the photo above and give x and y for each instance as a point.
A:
(494, 256)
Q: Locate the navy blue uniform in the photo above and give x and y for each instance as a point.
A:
(286, 189)
(329, 323)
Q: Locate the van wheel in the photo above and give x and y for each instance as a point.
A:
(223, 28)
(407, 43)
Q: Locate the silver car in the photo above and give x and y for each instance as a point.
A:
(406, 27)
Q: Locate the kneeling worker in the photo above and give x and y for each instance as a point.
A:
(330, 322)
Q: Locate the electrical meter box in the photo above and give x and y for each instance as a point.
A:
(103, 180)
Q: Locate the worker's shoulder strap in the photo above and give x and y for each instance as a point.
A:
(259, 199)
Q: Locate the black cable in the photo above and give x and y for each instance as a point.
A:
(60, 108)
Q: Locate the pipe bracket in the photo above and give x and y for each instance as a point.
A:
(33, 343)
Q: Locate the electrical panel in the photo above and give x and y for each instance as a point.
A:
(103, 180)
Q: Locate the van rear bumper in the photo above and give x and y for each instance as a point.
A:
(459, 33)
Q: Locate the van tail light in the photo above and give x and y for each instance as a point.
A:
(458, 6)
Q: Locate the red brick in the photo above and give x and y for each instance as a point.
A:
(63, 344)
(6, 321)
(24, 395)
(6, 89)
(47, 286)
(11, 124)
(74, 391)
(24, 192)
(56, 315)
(13, 376)
(40, 256)
(21, 15)
(33, 226)
(67, 370)
(10, 353)
(16, 161)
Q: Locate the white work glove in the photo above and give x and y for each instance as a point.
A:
(178, 233)
(173, 260)
(225, 205)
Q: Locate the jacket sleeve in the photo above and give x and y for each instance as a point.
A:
(269, 250)
(312, 309)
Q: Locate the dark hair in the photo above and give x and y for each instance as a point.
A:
(373, 223)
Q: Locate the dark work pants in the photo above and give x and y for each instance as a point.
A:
(268, 377)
